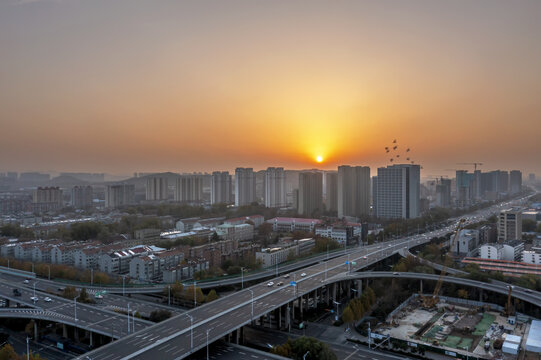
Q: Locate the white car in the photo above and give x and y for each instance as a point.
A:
(286, 276)
(303, 274)
(365, 257)
(48, 299)
(34, 298)
(26, 281)
(270, 284)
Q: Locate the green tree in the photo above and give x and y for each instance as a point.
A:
(538, 228)
(529, 225)
(212, 295)
(462, 293)
(348, 316)
(69, 292)
(85, 231)
(7, 353)
(159, 315)
(296, 349)
(189, 296)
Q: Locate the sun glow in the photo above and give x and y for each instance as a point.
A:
(319, 158)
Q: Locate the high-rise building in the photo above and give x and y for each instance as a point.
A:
(275, 187)
(510, 225)
(397, 191)
(465, 188)
(531, 178)
(515, 182)
(310, 192)
(157, 189)
(81, 197)
(119, 195)
(443, 193)
(220, 188)
(504, 182)
(244, 186)
(189, 188)
(353, 193)
(331, 191)
(47, 199)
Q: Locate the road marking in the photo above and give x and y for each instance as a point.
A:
(350, 355)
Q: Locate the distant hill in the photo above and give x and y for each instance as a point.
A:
(66, 181)
(141, 181)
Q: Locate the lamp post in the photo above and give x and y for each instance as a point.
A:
(327, 251)
(49, 267)
(128, 318)
(208, 330)
(27, 348)
(191, 330)
(336, 303)
(75, 303)
(35, 288)
(251, 291)
(194, 294)
(91, 277)
(123, 285)
(169, 295)
(133, 320)
(242, 277)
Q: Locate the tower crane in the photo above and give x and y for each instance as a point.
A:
(431, 301)
(475, 164)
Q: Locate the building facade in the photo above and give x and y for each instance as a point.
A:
(310, 193)
(353, 191)
(510, 225)
(397, 192)
(157, 188)
(119, 195)
(189, 188)
(220, 190)
(275, 187)
(244, 186)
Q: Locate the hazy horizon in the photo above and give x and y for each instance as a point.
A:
(150, 86)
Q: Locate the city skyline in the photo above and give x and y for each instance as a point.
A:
(267, 84)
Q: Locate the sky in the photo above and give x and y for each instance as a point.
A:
(124, 86)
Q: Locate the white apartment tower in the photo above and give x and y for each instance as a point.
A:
(156, 189)
(331, 193)
(353, 191)
(220, 189)
(189, 188)
(275, 187)
(510, 225)
(119, 195)
(397, 191)
(244, 186)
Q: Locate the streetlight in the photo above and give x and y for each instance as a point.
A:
(91, 276)
(250, 290)
(123, 285)
(75, 302)
(169, 295)
(304, 356)
(27, 348)
(194, 294)
(191, 330)
(336, 303)
(327, 251)
(49, 267)
(133, 320)
(35, 288)
(242, 277)
(208, 330)
(325, 271)
(128, 318)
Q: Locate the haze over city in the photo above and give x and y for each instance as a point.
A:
(125, 86)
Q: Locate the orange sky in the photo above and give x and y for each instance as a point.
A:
(123, 86)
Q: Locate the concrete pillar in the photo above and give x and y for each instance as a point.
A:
(7, 302)
(301, 300)
(359, 288)
(237, 336)
(64, 330)
(288, 317)
(327, 294)
(36, 332)
(349, 292)
(334, 292)
(480, 294)
(315, 298)
(293, 311)
(421, 286)
(76, 334)
(91, 338)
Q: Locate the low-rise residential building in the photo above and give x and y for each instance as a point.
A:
(184, 271)
(531, 257)
(512, 250)
(240, 232)
(466, 244)
(491, 251)
(340, 232)
(185, 225)
(287, 224)
(272, 256)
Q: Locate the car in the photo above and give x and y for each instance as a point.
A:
(270, 284)
(286, 276)
(395, 273)
(390, 245)
(34, 298)
(98, 296)
(365, 257)
(26, 281)
(48, 299)
(303, 274)
(280, 283)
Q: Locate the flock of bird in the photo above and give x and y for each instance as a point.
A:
(394, 152)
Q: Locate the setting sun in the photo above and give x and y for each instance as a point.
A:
(319, 158)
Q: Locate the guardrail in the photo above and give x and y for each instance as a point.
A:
(17, 272)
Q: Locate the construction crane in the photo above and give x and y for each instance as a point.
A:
(431, 301)
(475, 164)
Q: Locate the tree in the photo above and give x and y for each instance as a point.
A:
(7, 353)
(200, 297)
(538, 228)
(212, 295)
(85, 231)
(265, 229)
(159, 315)
(348, 316)
(297, 348)
(69, 292)
(462, 293)
(529, 225)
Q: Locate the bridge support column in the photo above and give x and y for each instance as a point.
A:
(236, 335)
(359, 288)
(76, 334)
(7, 302)
(293, 311)
(91, 338)
(288, 318)
(349, 291)
(480, 294)
(280, 309)
(334, 292)
(64, 330)
(301, 300)
(327, 293)
(421, 286)
(36, 330)
(315, 298)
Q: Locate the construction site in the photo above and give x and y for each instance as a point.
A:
(459, 326)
